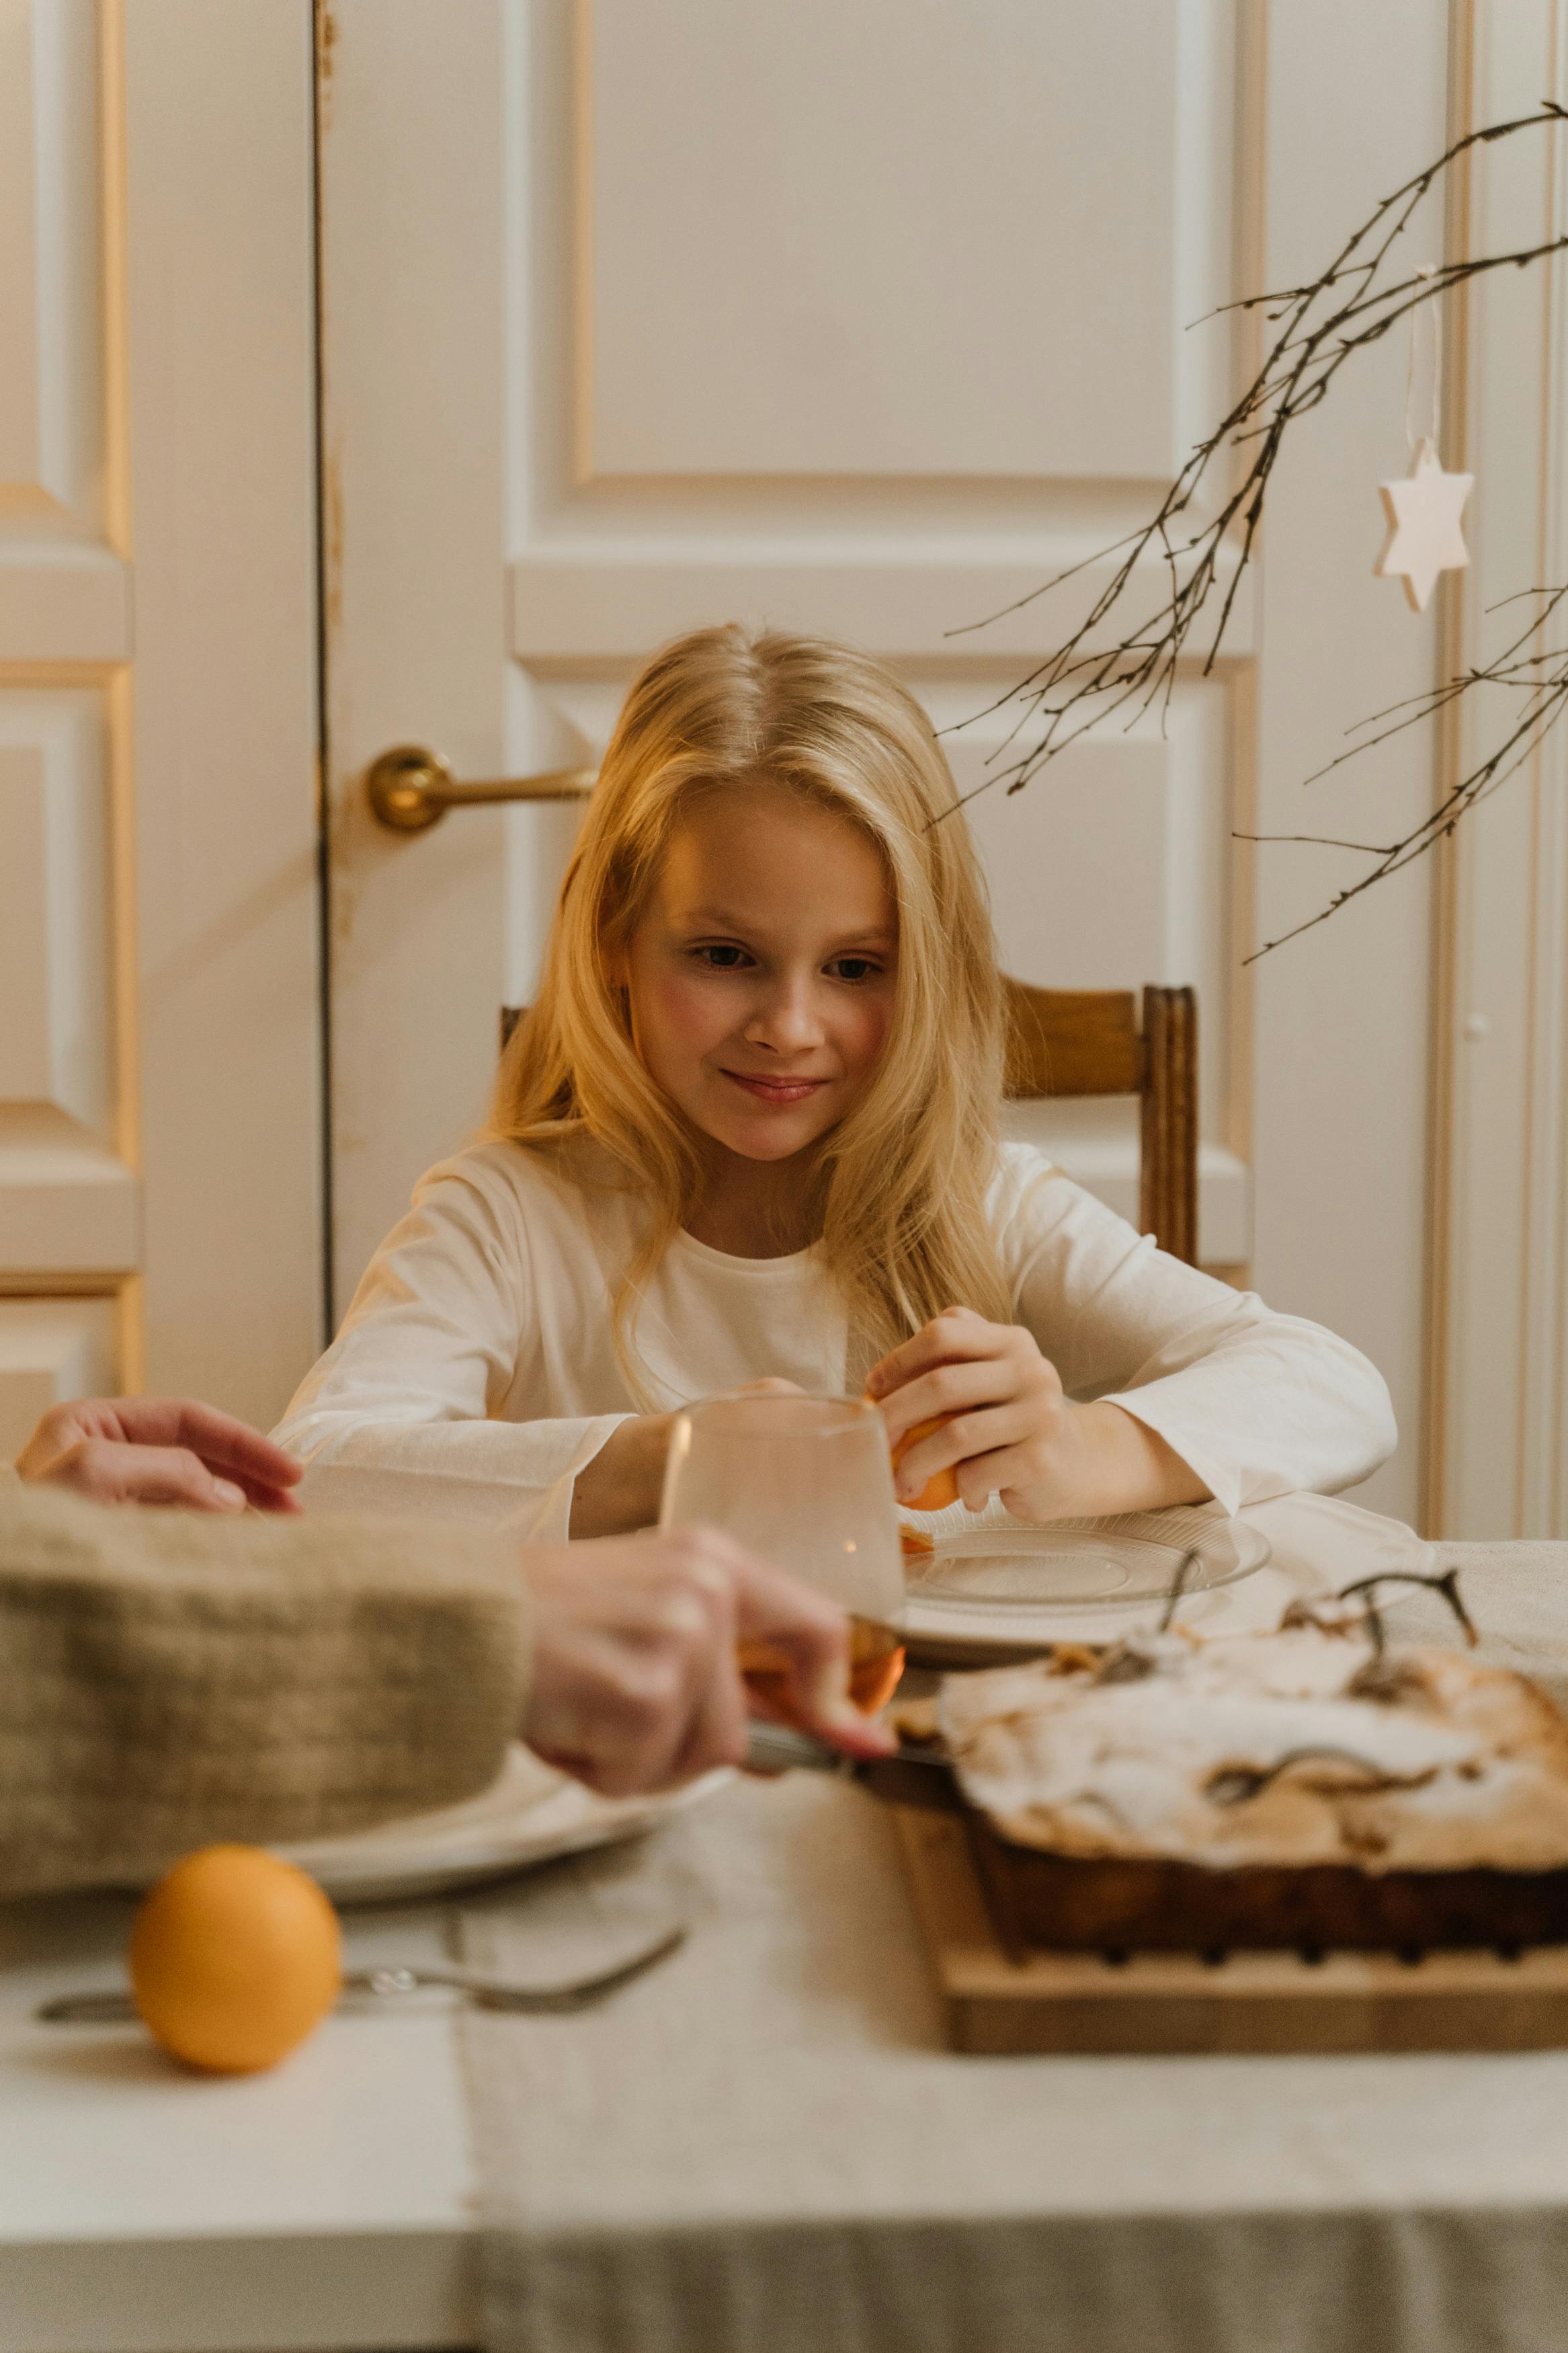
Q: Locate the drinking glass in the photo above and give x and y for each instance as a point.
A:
(806, 1483)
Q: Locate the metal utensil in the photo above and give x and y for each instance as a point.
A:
(909, 1776)
(116, 2008)
(1237, 1785)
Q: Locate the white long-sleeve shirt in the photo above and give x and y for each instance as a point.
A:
(476, 1372)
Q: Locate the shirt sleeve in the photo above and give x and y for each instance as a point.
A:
(1257, 1404)
(401, 1412)
(173, 1679)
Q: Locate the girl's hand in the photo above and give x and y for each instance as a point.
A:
(1012, 1432)
(622, 1488)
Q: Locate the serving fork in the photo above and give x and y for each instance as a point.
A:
(114, 2007)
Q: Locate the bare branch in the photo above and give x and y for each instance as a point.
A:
(1319, 328)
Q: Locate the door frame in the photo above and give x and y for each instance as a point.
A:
(207, 159)
(1498, 1343)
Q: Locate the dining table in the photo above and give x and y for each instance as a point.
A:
(764, 2145)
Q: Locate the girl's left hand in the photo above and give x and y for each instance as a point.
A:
(1014, 1432)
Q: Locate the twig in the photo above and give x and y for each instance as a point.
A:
(1542, 676)
(1321, 326)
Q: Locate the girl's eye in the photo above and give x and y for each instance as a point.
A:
(853, 968)
(722, 958)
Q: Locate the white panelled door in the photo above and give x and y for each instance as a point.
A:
(863, 317)
(159, 1154)
(69, 1206)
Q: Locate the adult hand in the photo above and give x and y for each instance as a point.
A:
(160, 1450)
(636, 1683)
(1013, 1431)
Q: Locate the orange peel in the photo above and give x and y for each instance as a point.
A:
(940, 1490)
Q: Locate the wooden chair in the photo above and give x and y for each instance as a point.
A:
(1086, 1042)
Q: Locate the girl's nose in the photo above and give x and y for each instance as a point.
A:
(786, 1020)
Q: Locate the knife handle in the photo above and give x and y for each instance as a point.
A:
(776, 1748)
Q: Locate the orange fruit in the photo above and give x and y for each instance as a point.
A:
(938, 1493)
(235, 1957)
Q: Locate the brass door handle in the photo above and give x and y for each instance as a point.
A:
(411, 787)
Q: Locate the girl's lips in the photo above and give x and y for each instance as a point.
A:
(776, 1091)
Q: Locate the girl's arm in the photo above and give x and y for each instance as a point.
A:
(1130, 1381)
(395, 1416)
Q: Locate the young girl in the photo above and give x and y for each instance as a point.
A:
(749, 1133)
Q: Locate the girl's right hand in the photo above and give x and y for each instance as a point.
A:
(621, 1490)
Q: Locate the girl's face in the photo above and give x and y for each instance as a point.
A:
(761, 972)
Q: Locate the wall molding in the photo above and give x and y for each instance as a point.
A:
(1499, 1296)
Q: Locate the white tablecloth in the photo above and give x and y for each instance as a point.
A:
(764, 2146)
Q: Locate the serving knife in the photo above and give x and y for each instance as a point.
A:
(909, 1776)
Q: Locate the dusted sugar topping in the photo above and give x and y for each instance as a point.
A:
(1308, 1746)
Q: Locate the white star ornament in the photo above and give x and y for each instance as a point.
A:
(1424, 534)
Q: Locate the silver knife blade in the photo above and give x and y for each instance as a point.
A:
(909, 1776)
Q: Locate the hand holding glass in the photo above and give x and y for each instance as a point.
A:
(805, 1482)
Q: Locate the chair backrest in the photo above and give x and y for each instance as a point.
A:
(1087, 1042)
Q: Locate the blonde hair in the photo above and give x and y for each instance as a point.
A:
(902, 1181)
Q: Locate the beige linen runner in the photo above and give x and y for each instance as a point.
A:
(764, 2148)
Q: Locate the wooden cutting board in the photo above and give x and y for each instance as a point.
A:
(1176, 2002)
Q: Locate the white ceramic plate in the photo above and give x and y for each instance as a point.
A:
(1016, 1585)
(528, 1815)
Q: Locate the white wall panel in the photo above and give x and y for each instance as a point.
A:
(593, 599)
(1112, 870)
(797, 266)
(221, 367)
(51, 382)
(64, 592)
(68, 1206)
(56, 1040)
(62, 602)
(68, 1203)
(827, 272)
(51, 1350)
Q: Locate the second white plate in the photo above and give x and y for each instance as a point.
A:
(1015, 1584)
(528, 1815)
